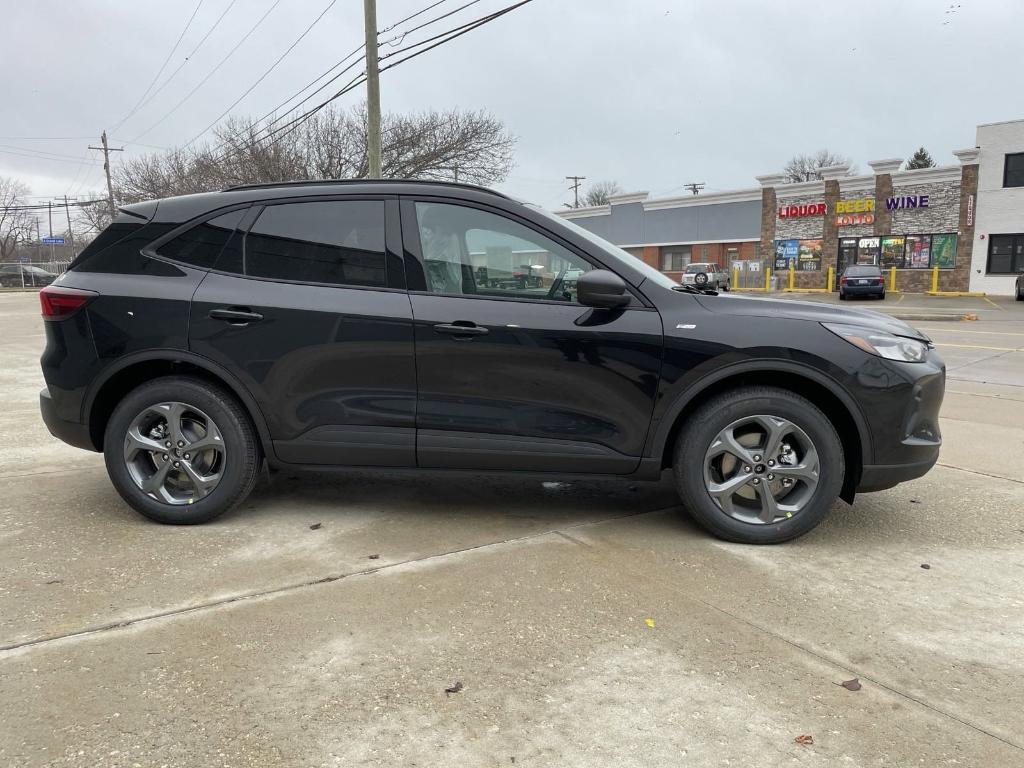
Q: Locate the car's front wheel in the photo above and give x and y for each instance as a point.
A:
(758, 465)
(181, 450)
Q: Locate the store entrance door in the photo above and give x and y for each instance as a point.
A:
(847, 256)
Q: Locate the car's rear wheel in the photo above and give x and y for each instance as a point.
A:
(1020, 294)
(758, 465)
(181, 450)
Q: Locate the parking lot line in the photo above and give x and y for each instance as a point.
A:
(981, 346)
(940, 329)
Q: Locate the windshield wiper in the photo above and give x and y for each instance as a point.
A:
(695, 290)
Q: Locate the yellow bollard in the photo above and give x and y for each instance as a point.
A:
(831, 278)
(791, 277)
(767, 279)
(735, 277)
(892, 279)
(935, 279)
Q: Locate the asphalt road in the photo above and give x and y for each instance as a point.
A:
(589, 624)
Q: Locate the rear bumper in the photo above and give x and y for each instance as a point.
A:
(71, 432)
(863, 290)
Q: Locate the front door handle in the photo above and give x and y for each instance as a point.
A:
(239, 316)
(461, 328)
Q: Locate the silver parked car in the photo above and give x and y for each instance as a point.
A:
(706, 275)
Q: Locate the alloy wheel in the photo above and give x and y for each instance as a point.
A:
(174, 453)
(761, 469)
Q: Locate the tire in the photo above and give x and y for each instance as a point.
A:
(230, 465)
(700, 433)
(882, 296)
(1020, 295)
(842, 296)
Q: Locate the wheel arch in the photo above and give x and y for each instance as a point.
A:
(821, 390)
(132, 371)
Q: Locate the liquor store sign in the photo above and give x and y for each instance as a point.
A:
(852, 212)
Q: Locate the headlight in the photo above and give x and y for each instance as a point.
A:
(881, 343)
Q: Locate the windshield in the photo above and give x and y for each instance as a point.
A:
(649, 272)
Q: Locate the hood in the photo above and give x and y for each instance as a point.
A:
(756, 306)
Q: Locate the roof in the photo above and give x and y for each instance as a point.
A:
(356, 182)
(185, 207)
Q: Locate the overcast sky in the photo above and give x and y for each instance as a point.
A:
(650, 93)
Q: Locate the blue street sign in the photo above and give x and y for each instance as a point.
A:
(53, 240)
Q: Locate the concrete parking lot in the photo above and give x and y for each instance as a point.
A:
(588, 623)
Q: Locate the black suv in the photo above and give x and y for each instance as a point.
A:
(443, 326)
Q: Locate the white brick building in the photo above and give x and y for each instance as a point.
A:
(998, 253)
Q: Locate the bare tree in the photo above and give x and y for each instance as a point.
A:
(600, 191)
(808, 167)
(468, 146)
(15, 222)
(92, 219)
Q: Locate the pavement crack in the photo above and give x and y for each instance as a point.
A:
(274, 591)
(983, 474)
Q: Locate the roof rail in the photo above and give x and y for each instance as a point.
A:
(323, 182)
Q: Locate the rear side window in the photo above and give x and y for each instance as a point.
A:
(201, 245)
(118, 250)
(337, 242)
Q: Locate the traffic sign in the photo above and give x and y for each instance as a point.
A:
(53, 240)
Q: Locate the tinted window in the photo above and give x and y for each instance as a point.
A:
(1013, 174)
(201, 245)
(124, 256)
(336, 242)
(469, 251)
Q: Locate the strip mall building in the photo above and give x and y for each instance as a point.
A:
(965, 219)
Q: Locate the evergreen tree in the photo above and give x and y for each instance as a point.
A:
(920, 159)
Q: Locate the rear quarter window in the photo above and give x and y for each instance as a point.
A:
(118, 250)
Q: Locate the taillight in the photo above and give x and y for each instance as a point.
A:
(59, 303)
(844, 280)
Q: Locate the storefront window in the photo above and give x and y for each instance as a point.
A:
(892, 252)
(810, 255)
(867, 251)
(917, 252)
(944, 251)
(786, 253)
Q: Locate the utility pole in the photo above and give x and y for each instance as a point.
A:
(71, 234)
(39, 241)
(695, 186)
(575, 187)
(106, 169)
(49, 207)
(372, 88)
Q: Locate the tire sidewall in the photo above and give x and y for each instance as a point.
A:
(237, 441)
(698, 435)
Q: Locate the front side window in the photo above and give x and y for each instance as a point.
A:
(1006, 254)
(337, 242)
(201, 245)
(467, 251)
(1013, 171)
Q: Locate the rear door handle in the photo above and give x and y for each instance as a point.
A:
(235, 316)
(457, 329)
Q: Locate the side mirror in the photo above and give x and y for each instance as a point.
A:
(601, 288)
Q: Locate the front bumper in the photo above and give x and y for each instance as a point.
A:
(905, 426)
(71, 432)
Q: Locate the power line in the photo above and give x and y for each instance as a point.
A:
(280, 58)
(426, 23)
(413, 16)
(211, 73)
(458, 32)
(186, 60)
(59, 159)
(315, 80)
(162, 67)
